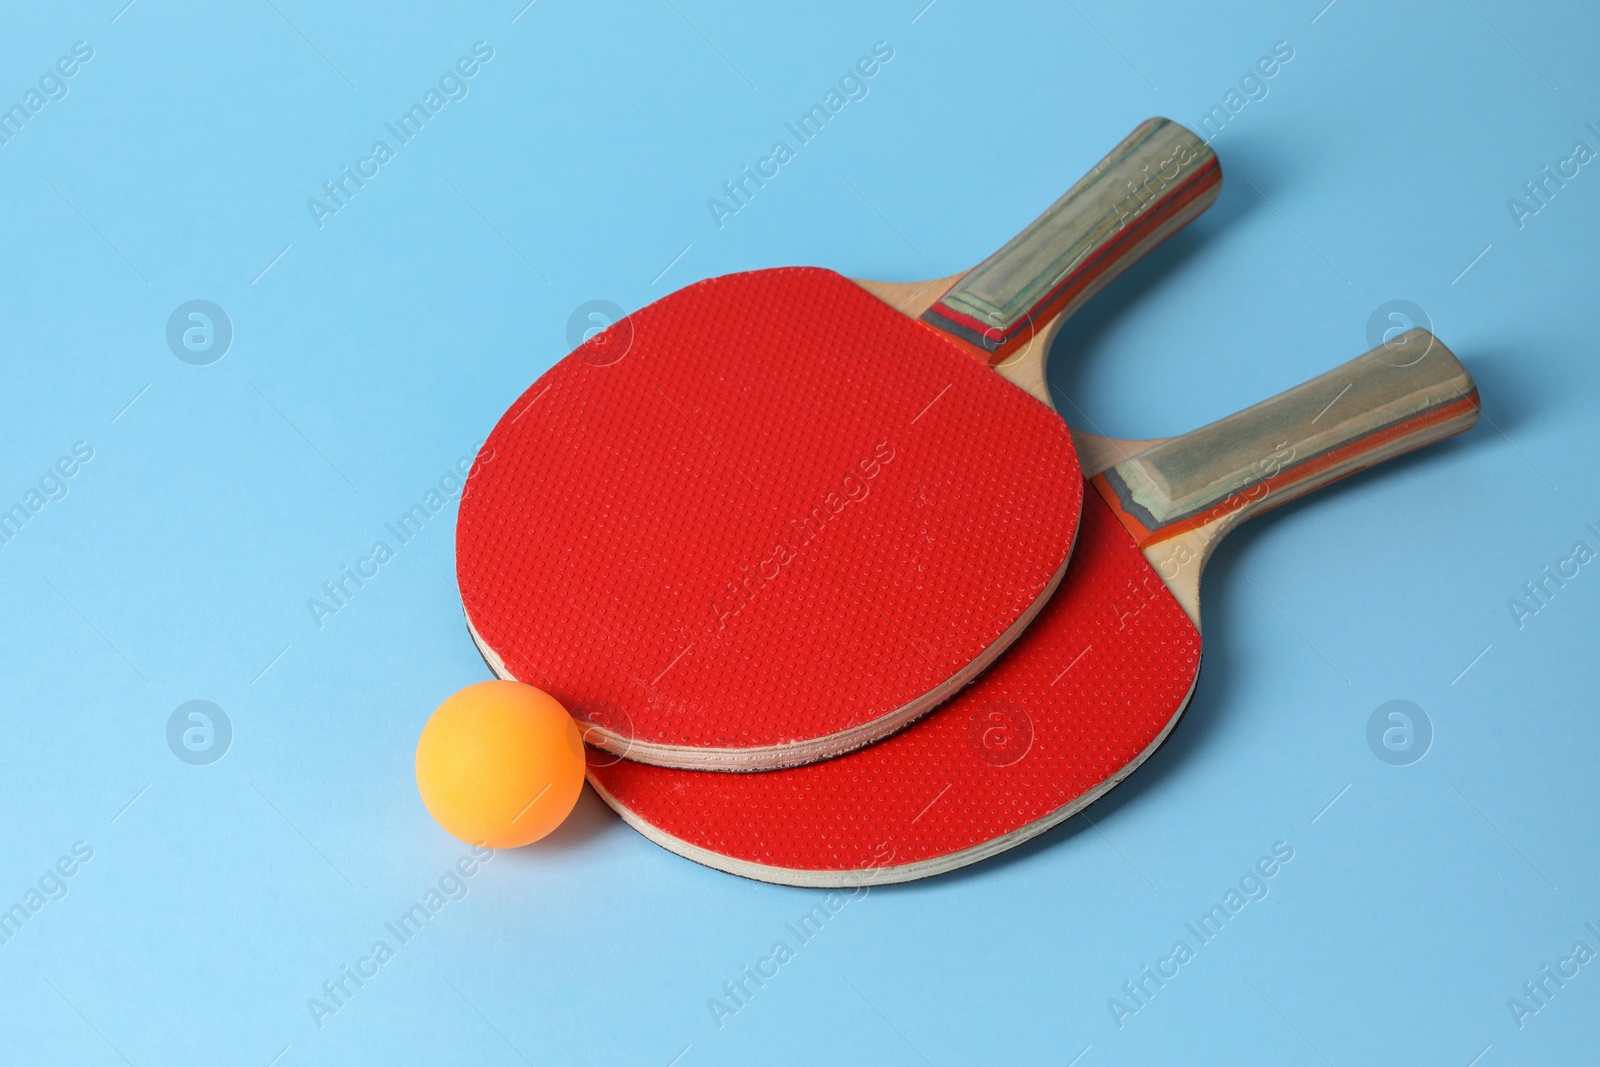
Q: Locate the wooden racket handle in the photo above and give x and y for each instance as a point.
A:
(1155, 182)
(1406, 393)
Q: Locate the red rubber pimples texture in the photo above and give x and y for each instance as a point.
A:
(765, 509)
(1094, 683)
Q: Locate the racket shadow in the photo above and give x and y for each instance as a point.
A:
(1065, 369)
(1511, 399)
(1070, 351)
(1197, 729)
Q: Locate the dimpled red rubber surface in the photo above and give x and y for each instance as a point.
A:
(1097, 678)
(787, 510)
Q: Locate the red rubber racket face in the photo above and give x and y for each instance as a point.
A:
(765, 519)
(1080, 700)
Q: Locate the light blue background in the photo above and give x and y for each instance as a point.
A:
(375, 351)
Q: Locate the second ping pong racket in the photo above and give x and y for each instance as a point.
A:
(772, 517)
(1101, 676)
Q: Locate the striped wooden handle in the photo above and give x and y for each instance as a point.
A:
(1379, 405)
(1158, 179)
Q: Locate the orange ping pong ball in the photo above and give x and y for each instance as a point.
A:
(500, 764)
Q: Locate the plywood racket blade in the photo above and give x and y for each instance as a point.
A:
(771, 517)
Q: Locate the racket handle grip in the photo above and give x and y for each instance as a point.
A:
(1406, 393)
(1152, 184)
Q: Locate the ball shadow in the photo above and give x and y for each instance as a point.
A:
(590, 819)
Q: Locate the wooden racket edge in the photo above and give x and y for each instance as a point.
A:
(794, 754)
(889, 873)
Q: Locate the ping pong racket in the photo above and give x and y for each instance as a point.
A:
(771, 518)
(1098, 681)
